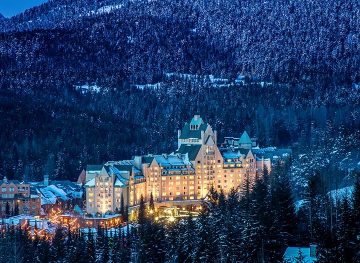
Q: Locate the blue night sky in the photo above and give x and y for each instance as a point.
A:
(10, 8)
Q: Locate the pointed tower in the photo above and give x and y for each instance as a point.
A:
(245, 141)
(196, 132)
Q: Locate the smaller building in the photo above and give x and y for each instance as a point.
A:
(16, 198)
(296, 254)
(65, 193)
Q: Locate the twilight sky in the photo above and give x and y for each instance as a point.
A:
(10, 8)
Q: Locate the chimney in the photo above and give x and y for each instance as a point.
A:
(179, 142)
(46, 180)
(137, 162)
(5, 179)
(215, 137)
(313, 250)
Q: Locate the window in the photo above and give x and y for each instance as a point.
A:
(3, 189)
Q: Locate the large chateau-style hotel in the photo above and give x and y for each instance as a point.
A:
(182, 177)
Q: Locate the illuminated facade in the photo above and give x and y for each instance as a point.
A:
(182, 177)
(16, 197)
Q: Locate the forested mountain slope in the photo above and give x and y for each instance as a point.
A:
(286, 41)
(308, 50)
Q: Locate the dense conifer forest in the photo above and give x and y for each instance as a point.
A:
(254, 226)
(301, 89)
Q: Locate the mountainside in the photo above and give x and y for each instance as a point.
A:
(72, 73)
(286, 41)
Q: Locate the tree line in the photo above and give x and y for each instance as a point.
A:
(255, 224)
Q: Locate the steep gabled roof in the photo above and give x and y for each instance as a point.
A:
(245, 138)
(191, 150)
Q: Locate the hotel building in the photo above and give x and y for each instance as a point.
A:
(182, 177)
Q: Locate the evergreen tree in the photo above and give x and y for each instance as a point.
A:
(90, 252)
(142, 211)
(122, 206)
(77, 256)
(126, 214)
(43, 251)
(284, 204)
(7, 209)
(356, 202)
(213, 196)
(16, 209)
(58, 245)
(151, 203)
(99, 245)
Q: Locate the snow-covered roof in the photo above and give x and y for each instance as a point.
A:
(119, 183)
(231, 155)
(63, 190)
(91, 183)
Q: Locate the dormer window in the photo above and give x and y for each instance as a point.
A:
(194, 127)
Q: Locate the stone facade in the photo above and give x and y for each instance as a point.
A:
(184, 176)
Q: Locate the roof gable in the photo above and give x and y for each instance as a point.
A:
(191, 150)
(245, 138)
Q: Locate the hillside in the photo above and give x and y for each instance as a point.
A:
(309, 62)
(137, 41)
